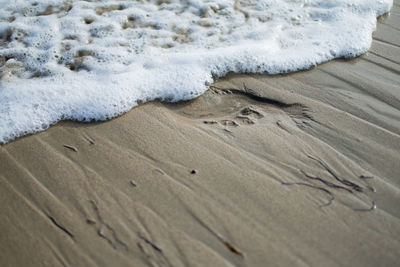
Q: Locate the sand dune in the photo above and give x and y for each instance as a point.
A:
(290, 170)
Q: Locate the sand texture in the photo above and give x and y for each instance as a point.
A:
(290, 170)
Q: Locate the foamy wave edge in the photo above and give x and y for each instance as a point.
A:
(32, 105)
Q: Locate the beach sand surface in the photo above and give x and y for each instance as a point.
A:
(288, 170)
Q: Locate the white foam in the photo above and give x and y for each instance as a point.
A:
(94, 60)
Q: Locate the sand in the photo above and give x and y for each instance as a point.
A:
(290, 170)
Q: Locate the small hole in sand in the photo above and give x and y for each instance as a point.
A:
(89, 20)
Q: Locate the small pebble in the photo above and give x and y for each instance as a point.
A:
(193, 172)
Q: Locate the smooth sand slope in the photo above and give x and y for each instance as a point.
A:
(295, 170)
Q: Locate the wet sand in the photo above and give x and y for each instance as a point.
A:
(290, 170)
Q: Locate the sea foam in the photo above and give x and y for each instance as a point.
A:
(94, 60)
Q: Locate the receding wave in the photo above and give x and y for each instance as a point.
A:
(94, 60)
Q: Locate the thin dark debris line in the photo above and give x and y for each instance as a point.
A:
(327, 183)
(366, 177)
(59, 226)
(100, 232)
(71, 148)
(153, 245)
(315, 187)
(356, 187)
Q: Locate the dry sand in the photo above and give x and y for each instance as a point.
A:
(292, 170)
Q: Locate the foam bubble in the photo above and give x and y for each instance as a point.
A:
(94, 60)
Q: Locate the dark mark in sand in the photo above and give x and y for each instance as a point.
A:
(71, 148)
(154, 246)
(59, 226)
